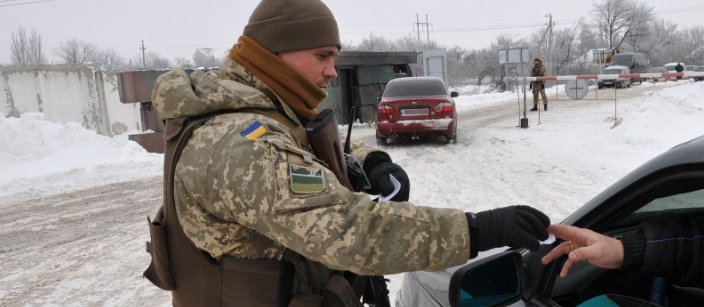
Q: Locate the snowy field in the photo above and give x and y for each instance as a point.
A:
(575, 152)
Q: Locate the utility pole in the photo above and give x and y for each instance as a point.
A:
(427, 28)
(418, 30)
(550, 24)
(143, 58)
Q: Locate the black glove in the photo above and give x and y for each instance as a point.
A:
(514, 226)
(381, 183)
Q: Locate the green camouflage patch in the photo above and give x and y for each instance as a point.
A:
(306, 180)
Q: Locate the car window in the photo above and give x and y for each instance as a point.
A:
(415, 88)
(683, 201)
(612, 71)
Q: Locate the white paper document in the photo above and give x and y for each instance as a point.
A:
(397, 187)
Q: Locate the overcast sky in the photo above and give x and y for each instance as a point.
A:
(175, 28)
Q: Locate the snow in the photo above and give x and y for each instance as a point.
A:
(564, 158)
(38, 157)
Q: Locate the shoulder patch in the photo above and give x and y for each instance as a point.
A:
(254, 131)
(306, 180)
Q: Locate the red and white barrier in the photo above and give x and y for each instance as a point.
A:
(616, 76)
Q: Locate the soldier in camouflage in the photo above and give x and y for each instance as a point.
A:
(538, 87)
(248, 186)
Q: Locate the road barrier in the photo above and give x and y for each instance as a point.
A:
(616, 76)
(523, 122)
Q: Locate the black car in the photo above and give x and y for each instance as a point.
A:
(671, 184)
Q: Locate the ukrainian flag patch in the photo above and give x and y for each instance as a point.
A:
(306, 180)
(254, 131)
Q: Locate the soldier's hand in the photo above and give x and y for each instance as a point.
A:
(514, 226)
(381, 182)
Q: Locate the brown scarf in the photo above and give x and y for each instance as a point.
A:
(298, 93)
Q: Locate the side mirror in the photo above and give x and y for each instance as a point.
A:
(454, 94)
(494, 280)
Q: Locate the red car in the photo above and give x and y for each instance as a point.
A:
(416, 106)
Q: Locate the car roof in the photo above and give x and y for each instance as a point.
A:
(411, 79)
(674, 64)
(685, 154)
(616, 67)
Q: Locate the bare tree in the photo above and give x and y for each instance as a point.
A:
(660, 45)
(619, 20)
(183, 62)
(457, 71)
(565, 48)
(155, 60)
(107, 59)
(587, 38)
(26, 50)
(75, 52)
(373, 43)
(205, 57)
(693, 41)
(483, 64)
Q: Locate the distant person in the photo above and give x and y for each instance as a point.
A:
(679, 69)
(538, 86)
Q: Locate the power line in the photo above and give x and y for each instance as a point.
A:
(679, 10)
(23, 3)
(489, 28)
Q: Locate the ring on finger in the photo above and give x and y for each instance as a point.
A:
(571, 245)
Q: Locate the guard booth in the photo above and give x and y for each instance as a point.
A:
(361, 77)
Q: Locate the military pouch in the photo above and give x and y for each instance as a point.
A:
(159, 272)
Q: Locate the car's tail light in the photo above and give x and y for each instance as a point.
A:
(445, 107)
(384, 109)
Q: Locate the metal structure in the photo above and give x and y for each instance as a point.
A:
(361, 78)
(516, 56)
(360, 81)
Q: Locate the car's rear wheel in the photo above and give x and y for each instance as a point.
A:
(380, 141)
(452, 138)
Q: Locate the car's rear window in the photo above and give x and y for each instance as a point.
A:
(415, 88)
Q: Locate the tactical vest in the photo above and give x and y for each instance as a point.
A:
(196, 279)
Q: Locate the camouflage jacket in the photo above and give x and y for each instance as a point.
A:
(246, 187)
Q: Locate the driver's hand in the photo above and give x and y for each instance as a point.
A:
(582, 244)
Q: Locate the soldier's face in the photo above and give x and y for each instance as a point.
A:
(316, 65)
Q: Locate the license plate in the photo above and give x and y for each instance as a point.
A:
(414, 112)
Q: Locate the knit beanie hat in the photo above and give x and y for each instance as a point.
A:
(290, 25)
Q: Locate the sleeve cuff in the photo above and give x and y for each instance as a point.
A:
(633, 249)
(374, 159)
(473, 243)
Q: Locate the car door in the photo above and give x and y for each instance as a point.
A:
(670, 192)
